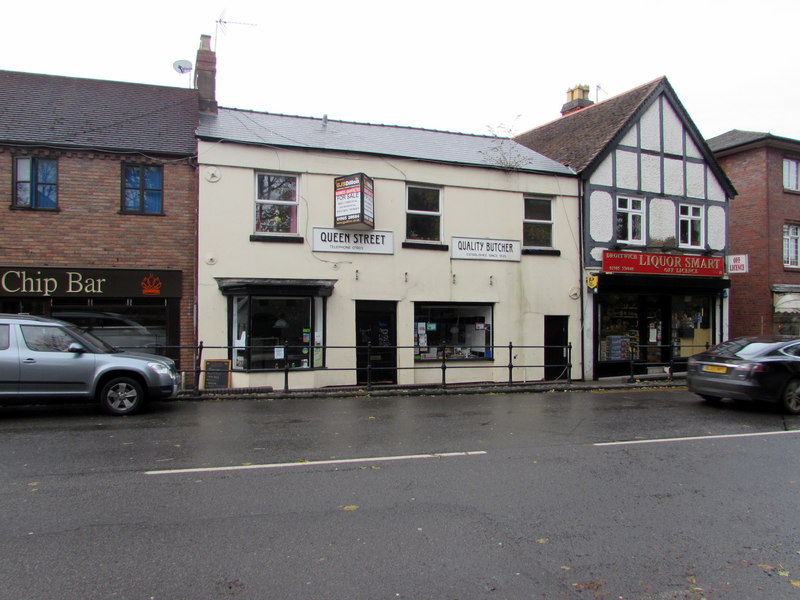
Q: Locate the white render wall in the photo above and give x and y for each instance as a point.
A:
(476, 202)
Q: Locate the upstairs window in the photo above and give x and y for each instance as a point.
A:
(791, 245)
(690, 226)
(630, 220)
(791, 174)
(276, 203)
(143, 189)
(423, 214)
(537, 227)
(36, 183)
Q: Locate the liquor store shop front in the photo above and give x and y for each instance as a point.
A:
(655, 319)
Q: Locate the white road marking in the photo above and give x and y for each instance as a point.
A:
(693, 438)
(341, 461)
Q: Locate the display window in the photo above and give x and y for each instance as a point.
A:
(276, 332)
(452, 331)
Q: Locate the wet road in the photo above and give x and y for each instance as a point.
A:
(455, 497)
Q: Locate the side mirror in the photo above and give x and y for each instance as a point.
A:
(76, 348)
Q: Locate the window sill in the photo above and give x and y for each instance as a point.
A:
(791, 191)
(277, 238)
(455, 359)
(140, 214)
(34, 208)
(426, 246)
(541, 251)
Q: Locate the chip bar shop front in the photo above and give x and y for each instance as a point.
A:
(656, 308)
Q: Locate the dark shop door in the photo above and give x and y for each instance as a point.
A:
(556, 338)
(376, 338)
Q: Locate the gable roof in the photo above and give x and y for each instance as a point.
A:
(309, 133)
(583, 138)
(71, 112)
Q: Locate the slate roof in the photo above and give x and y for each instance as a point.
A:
(286, 131)
(578, 138)
(56, 111)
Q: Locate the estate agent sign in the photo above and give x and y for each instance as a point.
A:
(645, 263)
(354, 202)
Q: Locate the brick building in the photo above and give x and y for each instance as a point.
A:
(765, 225)
(98, 180)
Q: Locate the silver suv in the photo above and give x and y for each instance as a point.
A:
(46, 359)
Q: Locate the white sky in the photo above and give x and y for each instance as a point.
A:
(496, 66)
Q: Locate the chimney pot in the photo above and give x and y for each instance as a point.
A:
(205, 76)
(577, 98)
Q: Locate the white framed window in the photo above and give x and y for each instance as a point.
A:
(276, 203)
(791, 245)
(791, 174)
(423, 214)
(537, 225)
(690, 226)
(630, 220)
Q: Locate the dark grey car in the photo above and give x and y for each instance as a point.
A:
(48, 360)
(763, 368)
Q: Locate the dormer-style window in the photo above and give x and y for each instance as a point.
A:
(36, 183)
(630, 220)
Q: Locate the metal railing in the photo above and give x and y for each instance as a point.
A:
(505, 357)
(635, 352)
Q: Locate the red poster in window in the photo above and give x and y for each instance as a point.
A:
(645, 263)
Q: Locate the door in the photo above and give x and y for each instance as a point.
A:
(556, 338)
(376, 341)
(48, 368)
(9, 362)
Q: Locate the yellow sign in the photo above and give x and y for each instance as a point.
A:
(592, 281)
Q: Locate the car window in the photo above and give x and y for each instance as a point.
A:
(3, 337)
(793, 350)
(44, 338)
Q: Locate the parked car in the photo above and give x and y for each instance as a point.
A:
(116, 329)
(764, 368)
(49, 360)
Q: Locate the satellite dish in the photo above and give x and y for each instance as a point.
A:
(182, 66)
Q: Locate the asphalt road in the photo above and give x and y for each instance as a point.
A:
(631, 494)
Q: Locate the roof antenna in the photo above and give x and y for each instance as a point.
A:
(597, 91)
(220, 26)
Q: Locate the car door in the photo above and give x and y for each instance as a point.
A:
(48, 368)
(9, 362)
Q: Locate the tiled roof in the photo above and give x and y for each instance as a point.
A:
(385, 140)
(578, 138)
(49, 110)
(737, 137)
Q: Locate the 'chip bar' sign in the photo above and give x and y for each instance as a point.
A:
(662, 264)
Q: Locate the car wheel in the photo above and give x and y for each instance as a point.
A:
(711, 399)
(790, 399)
(121, 396)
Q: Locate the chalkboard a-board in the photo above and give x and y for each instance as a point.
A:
(218, 374)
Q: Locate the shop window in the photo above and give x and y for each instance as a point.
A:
(275, 332)
(791, 245)
(276, 204)
(452, 331)
(630, 220)
(423, 214)
(690, 224)
(791, 174)
(691, 325)
(36, 183)
(537, 228)
(143, 189)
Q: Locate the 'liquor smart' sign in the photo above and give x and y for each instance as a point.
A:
(645, 263)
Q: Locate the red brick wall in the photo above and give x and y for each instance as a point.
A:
(757, 215)
(88, 230)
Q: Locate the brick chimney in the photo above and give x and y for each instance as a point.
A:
(577, 98)
(205, 76)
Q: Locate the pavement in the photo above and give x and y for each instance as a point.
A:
(651, 380)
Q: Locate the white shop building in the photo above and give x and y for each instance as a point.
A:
(330, 246)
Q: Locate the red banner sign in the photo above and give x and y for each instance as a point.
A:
(662, 264)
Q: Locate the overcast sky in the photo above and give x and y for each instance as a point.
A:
(497, 66)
